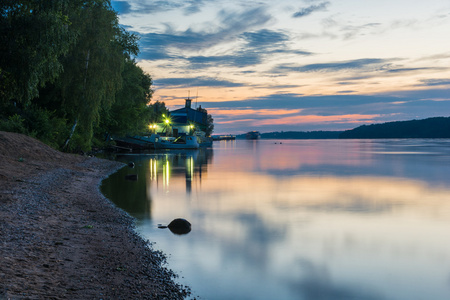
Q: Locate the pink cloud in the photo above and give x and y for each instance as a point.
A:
(258, 112)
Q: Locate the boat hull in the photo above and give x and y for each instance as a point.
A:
(187, 142)
(253, 135)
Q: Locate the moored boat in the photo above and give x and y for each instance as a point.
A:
(181, 142)
(203, 140)
(253, 135)
(132, 143)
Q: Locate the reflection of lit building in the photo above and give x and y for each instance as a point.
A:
(188, 164)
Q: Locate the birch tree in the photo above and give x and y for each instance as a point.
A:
(92, 70)
(34, 35)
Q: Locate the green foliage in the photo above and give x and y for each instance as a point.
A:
(129, 43)
(209, 125)
(69, 65)
(33, 37)
(157, 110)
(14, 123)
(46, 126)
(209, 128)
(92, 69)
(39, 123)
(129, 114)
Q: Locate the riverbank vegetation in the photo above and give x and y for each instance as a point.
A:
(68, 74)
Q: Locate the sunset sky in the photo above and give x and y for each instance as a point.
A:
(296, 65)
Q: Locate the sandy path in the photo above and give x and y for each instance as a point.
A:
(61, 239)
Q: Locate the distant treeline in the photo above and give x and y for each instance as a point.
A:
(438, 127)
(298, 135)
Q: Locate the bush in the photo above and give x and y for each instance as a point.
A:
(46, 126)
(14, 123)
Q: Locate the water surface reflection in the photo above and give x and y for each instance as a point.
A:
(302, 219)
(154, 170)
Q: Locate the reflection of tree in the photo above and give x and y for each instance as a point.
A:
(134, 196)
(131, 196)
(204, 159)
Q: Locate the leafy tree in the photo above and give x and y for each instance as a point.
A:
(130, 113)
(93, 68)
(33, 37)
(209, 125)
(157, 110)
(67, 69)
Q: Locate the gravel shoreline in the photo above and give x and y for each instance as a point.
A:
(60, 238)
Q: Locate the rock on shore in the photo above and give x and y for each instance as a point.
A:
(61, 239)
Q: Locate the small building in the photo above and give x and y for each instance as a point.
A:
(184, 121)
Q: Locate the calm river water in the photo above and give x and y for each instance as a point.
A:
(299, 219)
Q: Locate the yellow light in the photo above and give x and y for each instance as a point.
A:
(167, 121)
(192, 126)
(167, 173)
(191, 168)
